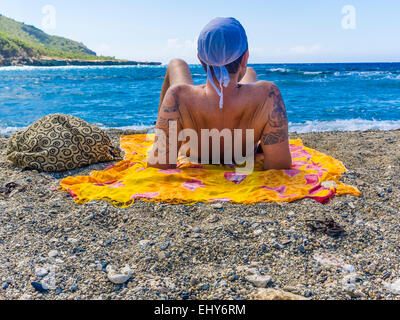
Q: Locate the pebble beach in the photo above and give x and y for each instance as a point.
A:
(54, 249)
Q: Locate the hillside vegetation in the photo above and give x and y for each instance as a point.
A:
(24, 41)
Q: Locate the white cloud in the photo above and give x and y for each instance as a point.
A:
(306, 49)
(184, 49)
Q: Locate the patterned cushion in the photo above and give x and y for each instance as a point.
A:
(60, 142)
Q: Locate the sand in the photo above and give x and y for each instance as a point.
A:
(204, 251)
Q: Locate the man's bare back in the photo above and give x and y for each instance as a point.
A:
(257, 106)
(237, 111)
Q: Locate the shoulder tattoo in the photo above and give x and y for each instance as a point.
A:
(277, 117)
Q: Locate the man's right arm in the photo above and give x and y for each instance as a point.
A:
(275, 136)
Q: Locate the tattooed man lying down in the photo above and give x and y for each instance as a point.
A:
(231, 99)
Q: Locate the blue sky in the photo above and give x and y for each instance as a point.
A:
(279, 31)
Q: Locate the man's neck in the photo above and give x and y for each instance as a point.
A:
(233, 84)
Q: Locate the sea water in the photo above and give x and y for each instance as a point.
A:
(318, 97)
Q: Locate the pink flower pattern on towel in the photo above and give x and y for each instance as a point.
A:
(170, 171)
(292, 173)
(301, 154)
(312, 179)
(147, 195)
(119, 184)
(220, 199)
(281, 189)
(234, 177)
(193, 184)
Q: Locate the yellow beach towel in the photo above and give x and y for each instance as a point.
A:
(314, 175)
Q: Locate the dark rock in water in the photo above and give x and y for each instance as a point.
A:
(38, 287)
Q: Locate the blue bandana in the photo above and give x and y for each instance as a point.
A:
(221, 42)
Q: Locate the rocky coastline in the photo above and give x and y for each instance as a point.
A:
(55, 62)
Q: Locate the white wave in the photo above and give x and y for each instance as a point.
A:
(283, 70)
(9, 130)
(308, 126)
(344, 125)
(368, 74)
(312, 72)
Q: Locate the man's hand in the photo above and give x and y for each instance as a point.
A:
(275, 137)
(165, 152)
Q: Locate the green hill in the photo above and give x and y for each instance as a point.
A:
(21, 41)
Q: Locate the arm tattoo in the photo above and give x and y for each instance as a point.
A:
(168, 113)
(275, 137)
(174, 108)
(277, 118)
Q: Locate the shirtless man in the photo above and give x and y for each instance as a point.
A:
(229, 100)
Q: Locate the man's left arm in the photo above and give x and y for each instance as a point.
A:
(165, 150)
(275, 137)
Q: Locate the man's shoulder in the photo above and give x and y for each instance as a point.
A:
(182, 90)
(266, 85)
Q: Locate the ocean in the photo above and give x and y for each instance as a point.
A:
(318, 97)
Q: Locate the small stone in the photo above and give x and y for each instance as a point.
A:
(213, 218)
(5, 285)
(393, 287)
(119, 277)
(258, 232)
(53, 253)
(302, 249)
(41, 272)
(291, 214)
(39, 287)
(217, 206)
(73, 241)
(161, 256)
(165, 245)
(194, 282)
(74, 287)
(308, 294)
(205, 287)
(259, 281)
(197, 230)
(386, 275)
(59, 291)
(185, 296)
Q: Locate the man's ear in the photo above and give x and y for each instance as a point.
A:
(245, 59)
